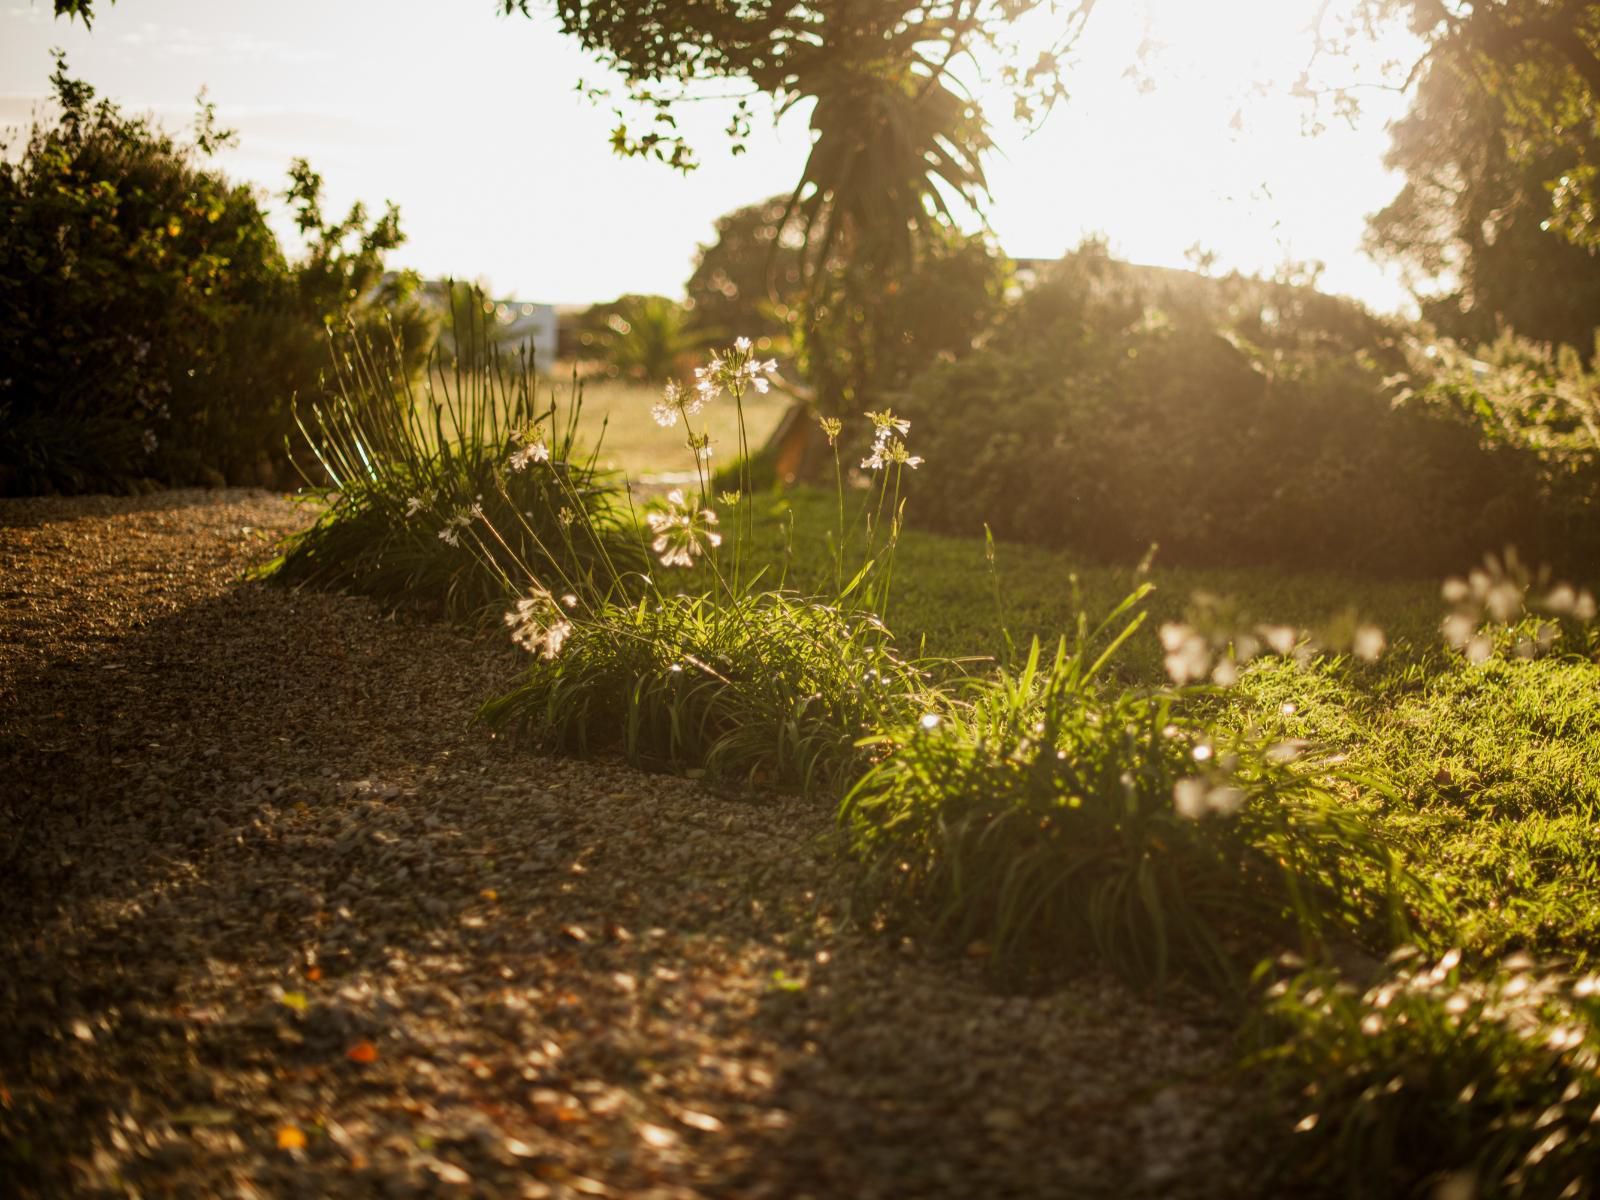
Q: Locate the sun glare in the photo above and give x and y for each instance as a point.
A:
(1205, 128)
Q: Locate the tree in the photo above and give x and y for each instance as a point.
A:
(749, 280)
(896, 142)
(1538, 61)
(1471, 214)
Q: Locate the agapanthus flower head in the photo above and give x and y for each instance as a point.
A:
(532, 450)
(462, 518)
(537, 624)
(886, 423)
(682, 533)
(832, 427)
(665, 410)
(700, 445)
(736, 371)
(895, 451)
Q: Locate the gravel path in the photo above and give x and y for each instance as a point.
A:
(277, 920)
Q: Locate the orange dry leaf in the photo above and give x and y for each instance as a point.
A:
(290, 1138)
(313, 973)
(362, 1052)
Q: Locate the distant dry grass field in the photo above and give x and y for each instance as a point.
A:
(616, 415)
(632, 442)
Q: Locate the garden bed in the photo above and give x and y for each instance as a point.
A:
(279, 918)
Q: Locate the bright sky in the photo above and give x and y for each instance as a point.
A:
(472, 124)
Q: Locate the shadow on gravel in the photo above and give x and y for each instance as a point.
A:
(275, 920)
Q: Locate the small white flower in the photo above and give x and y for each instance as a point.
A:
(449, 537)
(1369, 643)
(664, 414)
(885, 423)
(742, 345)
(681, 533)
(150, 441)
(1189, 799)
(414, 506)
(537, 626)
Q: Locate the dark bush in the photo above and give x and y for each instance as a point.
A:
(150, 325)
(1231, 421)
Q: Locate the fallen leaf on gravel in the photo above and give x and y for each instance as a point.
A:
(699, 1120)
(294, 1000)
(290, 1138)
(362, 1052)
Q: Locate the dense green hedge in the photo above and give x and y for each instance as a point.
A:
(151, 328)
(1230, 421)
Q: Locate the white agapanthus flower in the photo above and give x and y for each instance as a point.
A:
(538, 626)
(532, 452)
(682, 533)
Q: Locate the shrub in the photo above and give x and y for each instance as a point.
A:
(150, 326)
(1231, 421)
(1053, 817)
(451, 500)
(1538, 405)
(1489, 1083)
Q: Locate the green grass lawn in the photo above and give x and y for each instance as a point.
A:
(1495, 767)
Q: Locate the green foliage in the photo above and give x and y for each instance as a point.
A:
(149, 323)
(83, 9)
(1055, 817)
(1540, 407)
(1230, 421)
(868, 328)
(1473, 213)
(643, 338)
(1433, 1076)
(749, 280)
(766, 688)
(423, 509)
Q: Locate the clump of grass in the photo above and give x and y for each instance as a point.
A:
(431, 502)
(1489, 1084)
(741, 681)
(768, 688)
(1053, 817)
